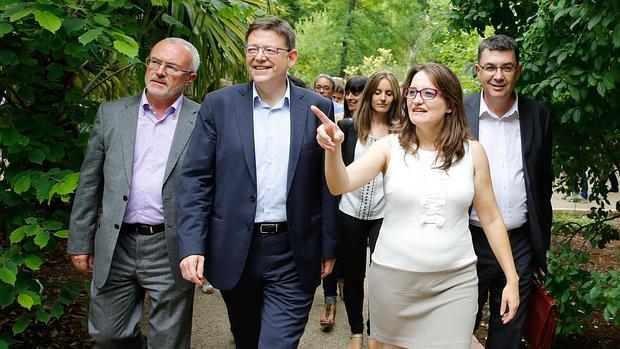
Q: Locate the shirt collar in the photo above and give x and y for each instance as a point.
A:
(171, 110)
(285, 101)
(513, 111)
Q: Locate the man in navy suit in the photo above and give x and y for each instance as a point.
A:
(516, 134)
(255, 210)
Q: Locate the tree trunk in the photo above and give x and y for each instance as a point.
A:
(347, 33)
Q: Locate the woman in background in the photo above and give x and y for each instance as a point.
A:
(374, 109)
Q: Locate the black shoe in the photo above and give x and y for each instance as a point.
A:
(613, 189)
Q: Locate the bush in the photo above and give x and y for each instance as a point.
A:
(578, 288)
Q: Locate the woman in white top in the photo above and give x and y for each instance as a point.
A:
(361, 211)
(422, 281)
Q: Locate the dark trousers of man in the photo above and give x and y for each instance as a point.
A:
(492, 281)
(355, 236)
(269, 307)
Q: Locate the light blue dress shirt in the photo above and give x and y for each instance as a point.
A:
(272, 139)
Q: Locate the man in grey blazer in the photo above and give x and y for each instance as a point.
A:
(516, 134)
(123, 222)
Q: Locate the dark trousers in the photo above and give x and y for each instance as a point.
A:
(330, 285)
(613, 181)
(355, 237)
(492, 281)
(269, 307)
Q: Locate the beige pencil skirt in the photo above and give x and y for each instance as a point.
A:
(423, 310)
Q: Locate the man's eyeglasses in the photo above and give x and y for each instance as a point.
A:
(507, 69)
(154, 64)
(318, 88)
(269, 51)
(426, 93)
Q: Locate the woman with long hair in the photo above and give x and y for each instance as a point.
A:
(422, 282)
(361, 211)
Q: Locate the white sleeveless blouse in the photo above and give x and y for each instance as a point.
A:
(426, 222)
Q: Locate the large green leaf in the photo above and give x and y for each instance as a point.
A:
(43, 316)
(8, 276)
(90, 36)
(47, 20)
(124, 44)
(69, 183)
(18, 234)
(33, 261)
(20, 14)
(5, 28)
(36, 156)
(127, 48)
(21, 184)
(62, 233)
(42, 238)
(52, 225)
(21, 324)
(7, 295)
(57, 310)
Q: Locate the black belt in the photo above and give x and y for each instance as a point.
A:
(521, 229)
(270, 228)
(142, 229)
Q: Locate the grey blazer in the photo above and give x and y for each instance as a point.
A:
(101, 197)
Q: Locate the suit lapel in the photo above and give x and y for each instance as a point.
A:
(526, 128)
(472, 110)
(128, 119)
(299, 114)
(245, 124)
(182, 133)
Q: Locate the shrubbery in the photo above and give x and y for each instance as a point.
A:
(577, 286)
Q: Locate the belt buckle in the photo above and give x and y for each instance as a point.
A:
(272, 225)
(144, 229)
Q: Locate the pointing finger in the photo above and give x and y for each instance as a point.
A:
(324, 119)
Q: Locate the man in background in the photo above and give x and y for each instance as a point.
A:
(516, 134)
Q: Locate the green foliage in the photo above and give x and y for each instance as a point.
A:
(507, 17)
(335, 39)
(339, 36)
(570, 52)
(318, 45)
(58, 60)
(577, 288)
(454, 48)
(217, 29)
(383, 61)
(571, 63)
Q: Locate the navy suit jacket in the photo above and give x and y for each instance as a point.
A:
(217, 196)
(535, 125)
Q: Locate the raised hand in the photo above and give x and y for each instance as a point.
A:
(328, 134)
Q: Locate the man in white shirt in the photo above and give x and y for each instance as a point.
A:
(516, 134)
